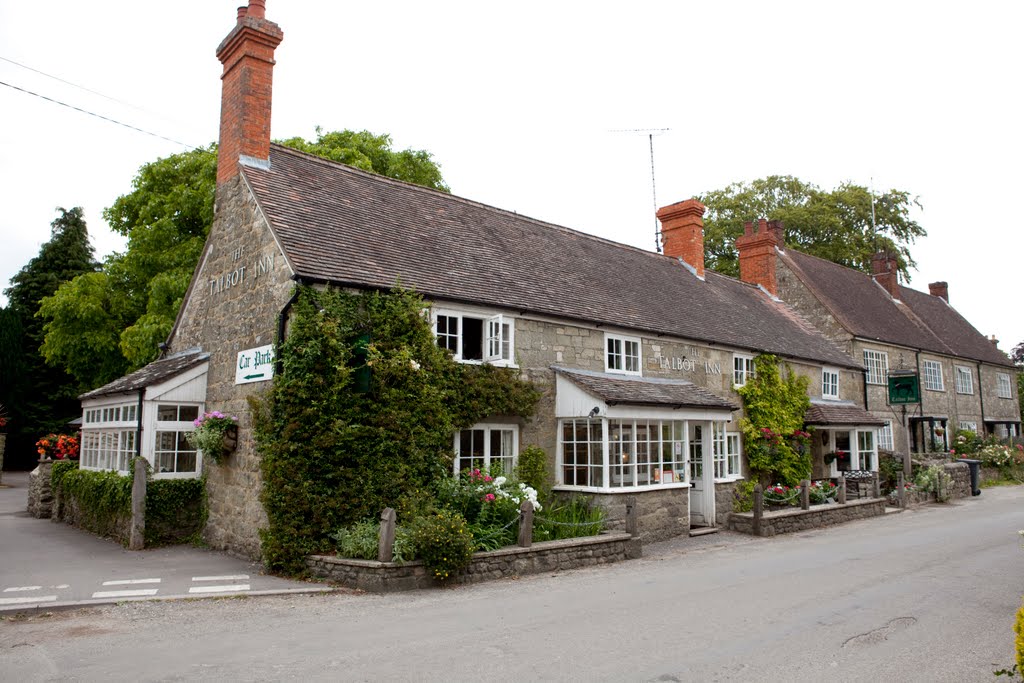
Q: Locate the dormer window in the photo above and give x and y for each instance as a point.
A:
(475, 338)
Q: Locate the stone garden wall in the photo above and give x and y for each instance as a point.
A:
(546, 556)
(817, 517)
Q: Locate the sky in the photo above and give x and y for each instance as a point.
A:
(541, 108)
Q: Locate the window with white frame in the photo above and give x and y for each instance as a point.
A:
(885, 436)
(488, 448)
(725, 451)
(969, 426)
(877, 365)
(829, 383)
(866, 450)
(964, 380)
(109, 437)
(475, 338)
(1003, 387)
(742, 369)
(933, 375)
(173, 454)
(622, 354)
(581, 447)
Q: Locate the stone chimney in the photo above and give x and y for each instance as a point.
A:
(248, 58)
(939, 289)
(757, 253)
(885, 271)
(682, 232)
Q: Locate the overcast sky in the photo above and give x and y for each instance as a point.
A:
(521, 104)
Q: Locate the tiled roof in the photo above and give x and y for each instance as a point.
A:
(154, 373)
(340, 225)
(645, 391)
(824, 413)
(918, 320)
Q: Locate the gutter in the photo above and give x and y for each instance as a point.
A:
(282, 321)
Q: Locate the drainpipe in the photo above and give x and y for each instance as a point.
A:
(282, 321)
(138, 435)
(981, 396)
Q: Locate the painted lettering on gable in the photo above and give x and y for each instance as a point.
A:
(687, 363)
(261, 266)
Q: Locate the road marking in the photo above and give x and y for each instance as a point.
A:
(26, 601)
(129, 582)
(63, 585)
(125, 594)
(22, 588)
(219, 589)
(230, 577)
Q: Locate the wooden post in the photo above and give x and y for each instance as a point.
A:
(386, 539)
(876, 486)
(805, 494)
(137, 534)
(902, 488)
(631, 521)
(758, 509)
(525, 524)
(842, 489)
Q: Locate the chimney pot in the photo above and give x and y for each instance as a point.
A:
(682, 232)
(885, 271)
(241, 13)
(258, 9)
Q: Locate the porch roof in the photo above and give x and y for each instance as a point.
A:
(645, 391)
(828, 413)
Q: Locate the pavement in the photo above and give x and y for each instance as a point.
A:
(46, 565)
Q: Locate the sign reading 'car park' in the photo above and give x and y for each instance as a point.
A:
(255, 365)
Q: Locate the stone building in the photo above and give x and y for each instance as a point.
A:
(965, 381)
(637, 354)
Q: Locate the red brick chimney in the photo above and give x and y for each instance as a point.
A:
(939, 289)
(885, 271)
(682, 232)
(248, 58)
(757, 253)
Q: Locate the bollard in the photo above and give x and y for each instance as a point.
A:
(758, 509)
(386, 539)
(525, 524)
(902, 488)
(805, 494)
(137, 534)
(631, 521)
(842, 489)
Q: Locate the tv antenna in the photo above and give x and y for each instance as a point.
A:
(651, 132)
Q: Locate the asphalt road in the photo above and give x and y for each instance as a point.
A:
(926, 595)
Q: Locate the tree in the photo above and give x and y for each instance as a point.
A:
(1018, 358)
(835, 225)
(40, 398)
(111, 322)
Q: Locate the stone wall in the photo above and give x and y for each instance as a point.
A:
(661, 514)
(725, 502)
(790, 521)
(40, 491)
(69, 510)
(546, 556)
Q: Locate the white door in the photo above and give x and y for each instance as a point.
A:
(702, 485)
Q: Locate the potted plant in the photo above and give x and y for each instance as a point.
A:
(836, 455)
(57, 447)
(216, 435)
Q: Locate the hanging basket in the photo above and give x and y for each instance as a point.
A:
(229, 442)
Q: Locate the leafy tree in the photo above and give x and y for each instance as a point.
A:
(1018, 358)
(111, 322)
(39, 398)
(833, 224)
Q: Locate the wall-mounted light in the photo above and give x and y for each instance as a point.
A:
(594, 411)
(824, 438)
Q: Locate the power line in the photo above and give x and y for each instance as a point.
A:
(99, 116)
(73, 85)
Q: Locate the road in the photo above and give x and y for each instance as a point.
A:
(926, 595)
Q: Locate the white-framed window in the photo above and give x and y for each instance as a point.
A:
(877, 365)
(173, 454)
(475, 338)
(622, 354)
(581, 450)
(1003, 387)
(109, 437)
(969, 426)
(487, 447)
(933, 375)
(964, 380)
(829, 383)
(742, 369)
(726, 452)
(866, 454)
(885, 436)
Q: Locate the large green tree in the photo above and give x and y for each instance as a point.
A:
(37, 397)
(110, 322)
(836, 224)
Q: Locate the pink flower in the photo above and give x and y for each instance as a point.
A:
(489, 497)
(488, 478)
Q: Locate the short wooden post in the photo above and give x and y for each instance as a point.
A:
(842, 489)
(525, 524)
(805, 494)
(386, 539)
(901, 489)
(137, 534)
(876, 486)
(631, 521)
(758, 509)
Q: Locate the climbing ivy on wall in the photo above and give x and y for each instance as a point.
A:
(336, 449)
(777, 447)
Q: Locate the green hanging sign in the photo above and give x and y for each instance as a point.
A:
(904, 389)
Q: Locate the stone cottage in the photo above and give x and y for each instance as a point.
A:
(965, 381)
(637, 354)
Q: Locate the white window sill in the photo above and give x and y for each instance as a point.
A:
(622, 489)
(729, 480)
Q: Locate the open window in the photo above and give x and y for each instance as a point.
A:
(475, 338)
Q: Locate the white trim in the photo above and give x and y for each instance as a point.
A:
(881, 363)
(505, 325)
(745, 373)
(936, 373)
(1003, 379)
(830, 371)
(964, 380)
(623, 354)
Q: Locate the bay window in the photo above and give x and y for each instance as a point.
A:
(173, 454)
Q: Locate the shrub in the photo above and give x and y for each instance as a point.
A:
(532, 469)
(821, 491)
(573, 518)
(780, 494)
(935, 480)
(359, 541)
(444, 543)
(743, 496)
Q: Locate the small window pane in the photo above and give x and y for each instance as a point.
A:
(167, 413)
(188, 413)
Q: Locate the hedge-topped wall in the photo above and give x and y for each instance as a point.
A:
(101, 502)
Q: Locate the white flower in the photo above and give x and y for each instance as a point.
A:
(414, 365)
(500, 481)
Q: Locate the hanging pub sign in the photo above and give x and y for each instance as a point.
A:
(904, 388)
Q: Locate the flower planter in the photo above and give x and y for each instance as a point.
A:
(230, 440)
